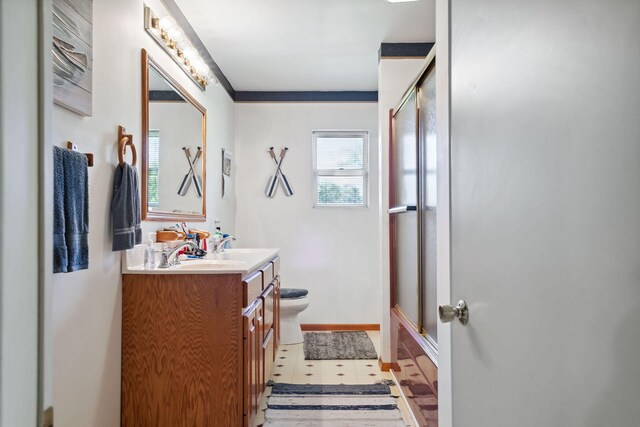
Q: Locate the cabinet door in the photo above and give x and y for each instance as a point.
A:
(268, 303)
(260, 384)
(267, 354)
(251, 362)
(276, 315)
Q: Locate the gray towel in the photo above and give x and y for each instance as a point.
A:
(125, 209)
(71, 211)
(59, 242)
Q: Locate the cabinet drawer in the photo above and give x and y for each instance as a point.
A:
(276, 266)
(252, 288)
(267, 275)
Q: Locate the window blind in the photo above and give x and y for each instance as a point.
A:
(153, 168)
(340, 167)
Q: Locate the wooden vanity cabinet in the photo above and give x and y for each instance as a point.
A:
(197, 349)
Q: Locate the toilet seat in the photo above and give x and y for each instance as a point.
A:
(290, 308)
(293, 293)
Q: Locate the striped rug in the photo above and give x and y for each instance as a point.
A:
(323, 405)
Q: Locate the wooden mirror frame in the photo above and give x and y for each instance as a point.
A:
(147, 215)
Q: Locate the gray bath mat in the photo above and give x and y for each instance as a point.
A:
(328, 389)
(321, 405)
(338, 346)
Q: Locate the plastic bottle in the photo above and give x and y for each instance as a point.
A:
(150, 254)
(217, 237)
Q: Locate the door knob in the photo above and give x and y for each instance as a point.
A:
(448, 313)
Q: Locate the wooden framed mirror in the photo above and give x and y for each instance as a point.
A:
(173, 148)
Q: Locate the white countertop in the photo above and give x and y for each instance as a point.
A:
(231, 261)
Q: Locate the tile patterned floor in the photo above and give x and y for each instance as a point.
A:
(291, 367)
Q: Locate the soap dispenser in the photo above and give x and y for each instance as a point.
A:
(150, 254)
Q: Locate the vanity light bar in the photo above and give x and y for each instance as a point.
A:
(168, 34)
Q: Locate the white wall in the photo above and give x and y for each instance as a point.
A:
(332, 252)
(394, 78)
(19, 183)
(87, 304)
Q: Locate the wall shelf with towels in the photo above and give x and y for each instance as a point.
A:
(74, 147)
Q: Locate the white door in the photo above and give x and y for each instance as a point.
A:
(545, 213)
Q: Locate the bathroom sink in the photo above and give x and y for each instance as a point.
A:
(243, 251)
(208, 264)
(231, 261)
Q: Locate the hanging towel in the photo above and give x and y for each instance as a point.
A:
(71, 211)
(76, 215)
(125, 209)
(59, 242)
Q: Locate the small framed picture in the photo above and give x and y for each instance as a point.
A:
(226, 162)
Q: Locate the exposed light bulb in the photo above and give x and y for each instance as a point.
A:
(190, 53)
(167, 23)
(184, 45)
(202, 68)
(176, 34)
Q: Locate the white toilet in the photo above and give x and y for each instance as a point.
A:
(292, 302)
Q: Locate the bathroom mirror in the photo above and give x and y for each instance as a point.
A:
(173, 148)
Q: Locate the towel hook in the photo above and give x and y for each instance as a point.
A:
(74, 147)
(123, 141)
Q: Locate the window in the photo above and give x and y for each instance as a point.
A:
(340, 165)
(153, 168)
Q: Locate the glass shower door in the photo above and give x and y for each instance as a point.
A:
(428, 205)
(403, 210)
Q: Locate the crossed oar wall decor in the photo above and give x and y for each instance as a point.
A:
(278, 177)
(192, 175)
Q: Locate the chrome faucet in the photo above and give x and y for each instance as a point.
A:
(170, 257)
(218, 247)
